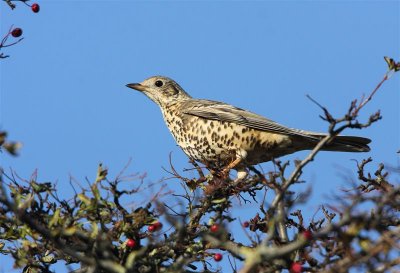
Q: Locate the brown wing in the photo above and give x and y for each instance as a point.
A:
(224, 112)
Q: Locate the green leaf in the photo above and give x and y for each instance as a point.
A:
(95, 230)
(55, 219)
(69, 231)
(49, 259)
(84, 199)
(101, 173)
(28, 201)
(219, 201)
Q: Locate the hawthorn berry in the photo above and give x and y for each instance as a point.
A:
(296, 267)
(130, 243)
(214, 228)
(157, 225)
(35, 7)
(307, 234)
(246, 224)
(151, 228)
(217, 257)
(16, 32)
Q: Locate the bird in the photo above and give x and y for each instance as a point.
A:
(225, 137)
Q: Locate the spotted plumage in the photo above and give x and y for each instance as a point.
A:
(221, 135)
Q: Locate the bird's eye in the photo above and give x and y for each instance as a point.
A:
(159, 83)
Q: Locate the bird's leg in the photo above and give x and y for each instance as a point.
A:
(225, 171)
(240, 155)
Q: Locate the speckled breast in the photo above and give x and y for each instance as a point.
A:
(216, 143)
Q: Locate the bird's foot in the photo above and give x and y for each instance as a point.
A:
(222, 174)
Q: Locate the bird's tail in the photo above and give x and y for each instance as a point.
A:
(347, 144)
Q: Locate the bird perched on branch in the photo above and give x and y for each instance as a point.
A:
(224, 136)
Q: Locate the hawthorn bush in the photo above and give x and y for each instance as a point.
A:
(98, 231)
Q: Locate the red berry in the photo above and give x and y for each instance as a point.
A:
(214, 228)
(217, 257)
(16, 32)
(246, 224)
(130, 243)
(158, 225)
(296, 267)
(35, 8)
(307, 234)
(151, 228)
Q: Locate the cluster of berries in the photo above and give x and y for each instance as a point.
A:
(131, 243)
(17, 32)
(295, 267)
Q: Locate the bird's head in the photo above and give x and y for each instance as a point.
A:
(161, 90)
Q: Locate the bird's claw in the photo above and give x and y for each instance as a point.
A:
(222, 174)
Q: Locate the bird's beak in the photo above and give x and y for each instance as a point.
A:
(137, 86)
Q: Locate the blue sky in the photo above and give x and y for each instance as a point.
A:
(63, 89)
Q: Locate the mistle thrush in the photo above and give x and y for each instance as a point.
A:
(223, 136)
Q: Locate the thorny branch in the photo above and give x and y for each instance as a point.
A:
(12, 5)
